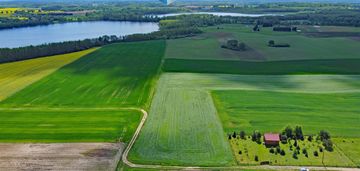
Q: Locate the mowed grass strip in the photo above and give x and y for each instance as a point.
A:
(116, 75)
(266, 111)
(72, 125)
(17, 75)
(328, 66)
(182, 129)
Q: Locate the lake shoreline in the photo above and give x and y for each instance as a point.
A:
(71, 31)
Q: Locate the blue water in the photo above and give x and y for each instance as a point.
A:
(217, 14)
(37, 35)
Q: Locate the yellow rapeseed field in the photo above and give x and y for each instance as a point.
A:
(18, 75)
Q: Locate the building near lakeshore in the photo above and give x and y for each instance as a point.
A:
(167, 2)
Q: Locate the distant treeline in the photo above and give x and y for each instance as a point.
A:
(30, 52)
(101, 13)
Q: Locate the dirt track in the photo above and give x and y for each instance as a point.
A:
(60, 156)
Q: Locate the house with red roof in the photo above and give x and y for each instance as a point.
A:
(271, 139)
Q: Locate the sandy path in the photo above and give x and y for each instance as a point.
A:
(60, 156)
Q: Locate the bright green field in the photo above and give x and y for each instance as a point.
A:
(183, 127)
(86, 100)
(249, 149)
(339, 113)
(351, 147)
(207, 46)
(68, 125)
(113, 76)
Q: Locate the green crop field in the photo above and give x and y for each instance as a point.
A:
(337, 113)
(114, 76)
(68, 125)
(183, 127)
(84, 101)
(17, 75)
(331, 66)
(208, 46)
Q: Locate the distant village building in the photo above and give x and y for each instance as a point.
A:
(271, 139)
(167, 2)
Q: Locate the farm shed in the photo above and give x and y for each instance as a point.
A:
(271, 139)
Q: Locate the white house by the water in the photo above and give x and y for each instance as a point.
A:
(167, 2)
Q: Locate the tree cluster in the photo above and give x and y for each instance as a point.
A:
(272, 43)
(234, 45)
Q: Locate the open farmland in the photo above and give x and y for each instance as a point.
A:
(68, 125)
(17, 75)
(272, 111)
(331, 66)
(60, 156)
(117, 75)
(208, 45)
(334, 158)
(183, 127)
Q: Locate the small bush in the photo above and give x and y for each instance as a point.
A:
(328, 145)
(284, 139)
(271, 150)
(234, 135)
(242, 134)
(295, 155)
(310, 138)
(278, 149)
(304, 151)
(282, 152)
(295, 143)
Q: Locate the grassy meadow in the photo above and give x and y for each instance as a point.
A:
(16, 76)
(250, 149)
(351, 147)
(118, 75)
(267, 111)
(68, 125)
(207, 46)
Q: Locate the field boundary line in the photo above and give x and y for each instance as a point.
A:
(125, 160)
(65, 108)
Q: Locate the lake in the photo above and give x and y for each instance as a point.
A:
(18, 37)
(218, 14)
